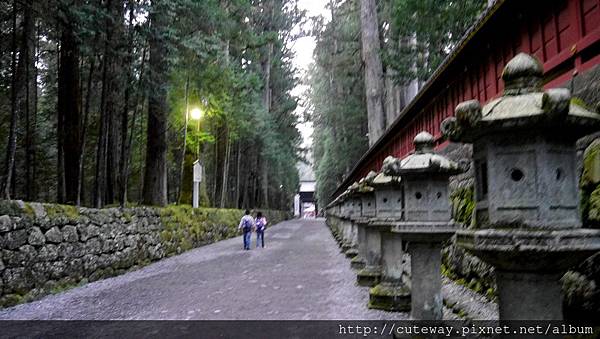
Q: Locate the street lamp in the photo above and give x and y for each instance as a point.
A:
(196, 114)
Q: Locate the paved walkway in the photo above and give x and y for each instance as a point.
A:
(299, 275)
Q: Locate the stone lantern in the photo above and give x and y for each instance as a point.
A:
(337, 220)
(345, 225)
(388, 196)
(332, 218)
(526, 221)
(427, 221)
(391, 293)
(370, 274)
(367, 210)
(348, 232)
(350, 247)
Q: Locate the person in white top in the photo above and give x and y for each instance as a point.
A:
(261, 225)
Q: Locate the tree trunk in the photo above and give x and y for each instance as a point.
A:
(373, 69)
(225, 168)
(68, 106)
(124, 161)
(136, 109)
(32, 150)
(86, 114)
(184, 147)
(100, 172)
(114, 99)
(11, 147)
(155, 178)
(28, 55)
(238, 174)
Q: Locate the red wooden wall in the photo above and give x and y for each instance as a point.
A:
(563, 34)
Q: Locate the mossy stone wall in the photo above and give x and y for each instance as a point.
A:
(45, 248)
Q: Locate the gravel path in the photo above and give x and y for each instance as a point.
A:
(299, 275)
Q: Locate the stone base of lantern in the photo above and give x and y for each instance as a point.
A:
(345, 246)
(424, 242)
(392, 297)
(337, 237)
(357, 263)
(369, 276)
(351, 252)
(529, 264)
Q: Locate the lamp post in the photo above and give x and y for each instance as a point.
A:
(196, 114)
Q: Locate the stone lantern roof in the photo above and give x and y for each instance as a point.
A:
(423, 161)
(342, 197)
(382, 179)
(364, 184)
(523, 105)
(353, 190)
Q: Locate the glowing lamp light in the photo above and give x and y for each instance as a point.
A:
(196, 113)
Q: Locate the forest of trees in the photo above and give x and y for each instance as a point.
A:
(95, 97)
(371, 59)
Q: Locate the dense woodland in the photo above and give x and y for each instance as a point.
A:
(96, 95)
(371, 59)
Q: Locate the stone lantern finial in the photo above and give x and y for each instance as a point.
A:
(424, 143)
(523, 74)
(524, 107)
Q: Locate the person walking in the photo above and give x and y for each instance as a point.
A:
(246, 225)
(261, 225)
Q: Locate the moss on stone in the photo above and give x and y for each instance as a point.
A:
(56, 210)
(28, 210)
(127, 216)
(589, 184)
(463, 204)
(579, 102)
(10, 207)
(389, 291)
(11, 300)
(368, 277)
(166, 236)
(389, 298)
(592, 207)
(590, 176)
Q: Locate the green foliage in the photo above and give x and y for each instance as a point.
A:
(215, 55)
(423, 32)
(224, 75)
(337, 98)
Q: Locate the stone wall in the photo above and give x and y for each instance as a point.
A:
(45, 248)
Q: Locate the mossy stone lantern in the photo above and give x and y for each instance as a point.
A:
(367, 211)
(333, 218)
(355, 214)
(388, 196)
(370, 238)
(427, 221)
(338, 220)
(392, 292)
(526, 221)
(346, 226)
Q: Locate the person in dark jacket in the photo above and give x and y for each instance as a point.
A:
(246, 225)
